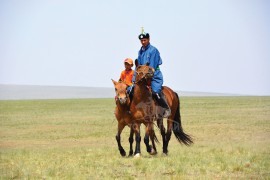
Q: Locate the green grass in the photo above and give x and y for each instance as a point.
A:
(75, 139)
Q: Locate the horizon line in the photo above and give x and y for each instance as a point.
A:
(79, 86)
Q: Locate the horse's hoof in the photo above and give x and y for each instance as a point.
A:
(130, 154)
(153, 152)
(123, 153)
(165, 154)
(149, 150)
(138, 155)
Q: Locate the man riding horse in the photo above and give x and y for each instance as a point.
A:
(149, 54)
(142, 109)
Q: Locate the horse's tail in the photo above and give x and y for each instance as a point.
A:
(177, 127)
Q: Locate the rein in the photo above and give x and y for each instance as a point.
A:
(143, 77)
(147, 86)
(140, 79)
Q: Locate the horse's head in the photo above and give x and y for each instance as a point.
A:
(121, 91)
(144, 72)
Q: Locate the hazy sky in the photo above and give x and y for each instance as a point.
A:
(206, 45)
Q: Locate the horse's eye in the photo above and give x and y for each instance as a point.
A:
(115, 89)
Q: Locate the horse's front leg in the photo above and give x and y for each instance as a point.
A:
(149, 132)
(153, 138)
(136, 128)
(118, 138)
(131, 140)
(146, 139)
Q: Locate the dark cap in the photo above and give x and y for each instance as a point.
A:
(144, 35)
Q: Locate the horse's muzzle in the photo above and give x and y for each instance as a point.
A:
(122, 100)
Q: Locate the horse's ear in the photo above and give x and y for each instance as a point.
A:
(114, 82)
(136, 63)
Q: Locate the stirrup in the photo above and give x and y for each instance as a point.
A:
(167, 113)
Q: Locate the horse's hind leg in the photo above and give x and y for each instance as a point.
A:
(118, 139)
(168, 134)
(163, 134)
(131, 139)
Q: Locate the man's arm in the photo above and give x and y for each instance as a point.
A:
(155, 59)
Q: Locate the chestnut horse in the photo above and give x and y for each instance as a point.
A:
(145, 110)
(123, 117)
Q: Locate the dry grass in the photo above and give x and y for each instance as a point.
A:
(75, 139)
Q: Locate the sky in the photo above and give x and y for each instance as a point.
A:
(206, 45)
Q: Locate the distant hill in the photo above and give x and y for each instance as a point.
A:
(20, 92)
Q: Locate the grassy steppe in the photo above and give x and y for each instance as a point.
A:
(75, 139)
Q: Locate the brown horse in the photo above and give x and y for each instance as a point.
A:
(124, 117)
(145, 110)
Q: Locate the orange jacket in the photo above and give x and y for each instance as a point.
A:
(126, 76)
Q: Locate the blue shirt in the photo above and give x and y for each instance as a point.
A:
(151, 55)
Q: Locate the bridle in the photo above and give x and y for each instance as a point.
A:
(143, 77)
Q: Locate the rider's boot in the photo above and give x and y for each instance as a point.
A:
(130, 92)
(160, 98)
